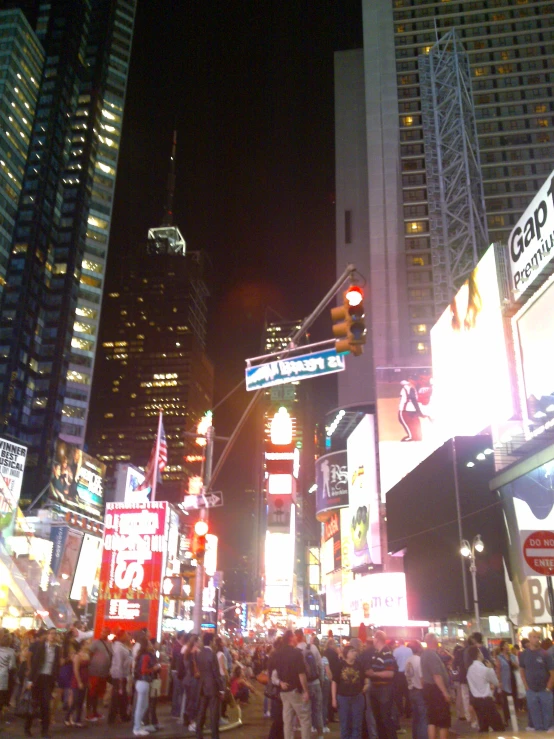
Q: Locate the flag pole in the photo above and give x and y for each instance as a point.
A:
(156, 460)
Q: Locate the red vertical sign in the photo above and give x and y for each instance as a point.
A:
(133, 566)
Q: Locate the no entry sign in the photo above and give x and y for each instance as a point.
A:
(538, 550)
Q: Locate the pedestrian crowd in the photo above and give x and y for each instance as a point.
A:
(372, 685)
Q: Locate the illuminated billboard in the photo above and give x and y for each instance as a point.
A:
(279, 568)
(531, 243)
(87, 570)
(407, 433)
(534, 339)
(471, 380)
(77, 479)
(12, 466)
(128, 480)
(133, 565)
(331, 476)
(378, 600)
(528, 506)
(363, 494)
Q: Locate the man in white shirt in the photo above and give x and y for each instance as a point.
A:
(314, 682)
(480, 680)
(412, 670)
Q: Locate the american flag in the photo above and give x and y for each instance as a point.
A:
(162, 461)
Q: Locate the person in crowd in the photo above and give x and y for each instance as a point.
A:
(8, 667)
(120, 672)
(348, 685)
(401, 653)
(314, 668)
(64, 693)
(225, 676)
(150, 718)
(191, 682)
(239, 686)
(481, 679)
(99, 670)
(276, 730)
(144, 672)
(537, 673)
(380, 668)
(506, 668)
(79, 685)
(45, 657)
(412, 671)
(212, 688)
(331, 652)
(326, 680)
(177, 668)
(435, 689)
(291, 669)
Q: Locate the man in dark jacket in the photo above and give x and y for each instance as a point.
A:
(43, 673)
(212, 688)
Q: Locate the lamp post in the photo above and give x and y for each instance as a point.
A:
(468, 551)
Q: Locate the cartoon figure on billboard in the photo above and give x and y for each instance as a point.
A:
(359, 530)
(410, 409)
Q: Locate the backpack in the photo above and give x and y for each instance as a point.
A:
(312, 673)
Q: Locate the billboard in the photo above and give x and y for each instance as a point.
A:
(279, 566)
(331, 475)
(534, 337)
(132, 568)
(363, 494)
(531, 243)
(471, 380)
(12, 466)
(88, 569)
(528, 505)
(77, 479)
(127, 481)
(379, 600)
(407, 433)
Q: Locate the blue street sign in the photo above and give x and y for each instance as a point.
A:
(292, 369)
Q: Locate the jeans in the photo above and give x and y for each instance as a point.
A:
(382, 705)
(192, 693)
(119, 703)
(326, 696)
(539, 704)
(487, 715)
(419, 714)
(371, 724)
(277, 729)
(316, 700)
(293, 704)
(42, 692)
(76, 708)
(142, 689)
(351, 715)
(177, 696)
(401, 695)
(214, 702)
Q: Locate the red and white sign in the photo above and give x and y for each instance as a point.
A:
(133, 565)
(538, 552)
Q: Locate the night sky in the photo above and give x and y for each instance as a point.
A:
(249, 86)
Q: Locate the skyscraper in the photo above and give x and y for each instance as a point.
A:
(20, 72)
(383, 218)
(50, 310)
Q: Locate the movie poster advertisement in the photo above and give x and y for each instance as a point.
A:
(77, 479)
(12, 466)
(332, 484)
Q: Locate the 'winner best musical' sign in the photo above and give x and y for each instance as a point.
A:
(133, 566)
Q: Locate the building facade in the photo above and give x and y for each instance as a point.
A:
(381, 160)
(21, 61)
(50, 310)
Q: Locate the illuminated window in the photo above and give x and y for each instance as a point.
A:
(83, 328)
(86, 280)
(92, 266)
(59, 269)
(413, 227)
(422, 347)
(114, 295)
(426, 49)
(86, 312)
(97, 222)
(77, 343)
(108, 415)
(496, 221)
(73, 376)
(480, 71)
(407, 120)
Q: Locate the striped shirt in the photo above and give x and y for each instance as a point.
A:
(382, 661)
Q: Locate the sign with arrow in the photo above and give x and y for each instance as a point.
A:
(213, 499)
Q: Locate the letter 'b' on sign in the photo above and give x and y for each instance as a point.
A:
(538, 551)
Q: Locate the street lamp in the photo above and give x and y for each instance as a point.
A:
(468, 551)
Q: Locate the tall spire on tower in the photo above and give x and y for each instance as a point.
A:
(168, 211)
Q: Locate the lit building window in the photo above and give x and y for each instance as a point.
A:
(408, 120)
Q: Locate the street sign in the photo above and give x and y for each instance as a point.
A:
(213, 499)
(538, 551)
(292, 369)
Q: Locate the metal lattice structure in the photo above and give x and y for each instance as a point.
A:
(457, 217)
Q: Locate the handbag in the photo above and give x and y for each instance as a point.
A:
(273, 692)
(262, 677)
(27, 706)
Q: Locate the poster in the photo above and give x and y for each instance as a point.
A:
(12, 466)
(87, 570)
(331, 476)
(77, 479)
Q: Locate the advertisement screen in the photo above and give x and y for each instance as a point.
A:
(279, 567)
(528, 506)
(77, 479)
(407, 433)
(534, 334)
(12, 466)
(363, 494)
(127, 482)
(132, 568)
(471, 382)
(379, 600)
(88, 569)
(331, 476)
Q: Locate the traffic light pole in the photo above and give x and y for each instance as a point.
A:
(203, 515)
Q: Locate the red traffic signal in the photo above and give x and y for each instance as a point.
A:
(349, 326)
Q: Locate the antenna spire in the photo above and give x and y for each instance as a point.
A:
(168, 212)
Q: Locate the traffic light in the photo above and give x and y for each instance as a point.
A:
(199, 542)
(349, 327)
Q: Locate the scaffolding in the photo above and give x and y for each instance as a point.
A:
(457, 217)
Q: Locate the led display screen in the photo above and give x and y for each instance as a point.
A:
(77, 479)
